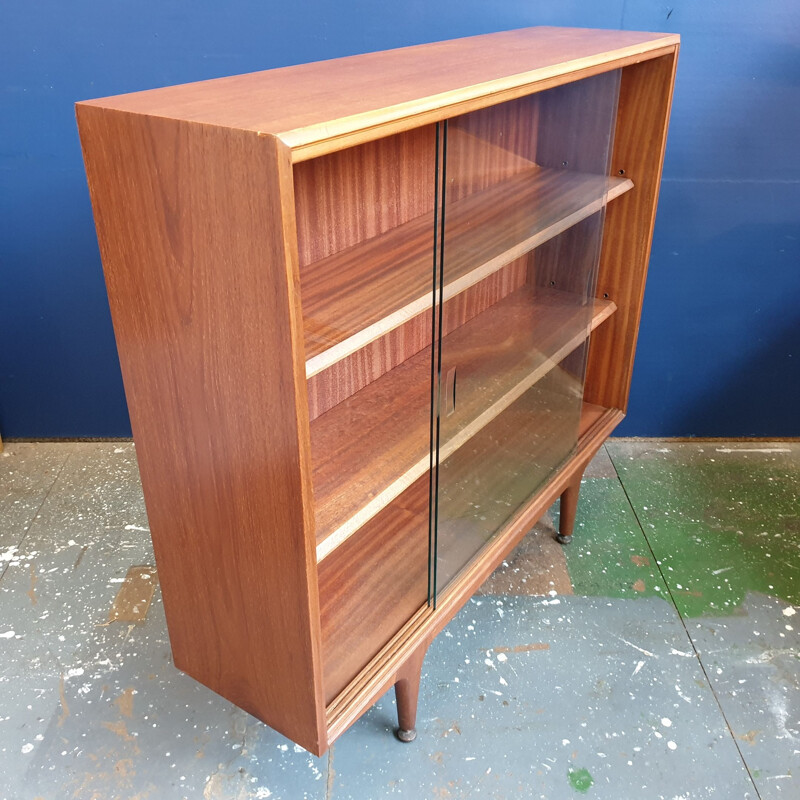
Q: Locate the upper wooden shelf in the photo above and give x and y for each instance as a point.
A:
(320, 107)
(369, 448)
(357, 295)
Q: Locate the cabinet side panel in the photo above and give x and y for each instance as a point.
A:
(640, 139)
(193, 234)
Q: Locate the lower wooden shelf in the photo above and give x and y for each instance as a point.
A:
(370, 447)
(422, 621)
(485, 482)
(377, 579)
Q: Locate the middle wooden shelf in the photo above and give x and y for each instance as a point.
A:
(370, 447)
(357, 295)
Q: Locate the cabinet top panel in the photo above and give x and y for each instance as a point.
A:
(323, 106)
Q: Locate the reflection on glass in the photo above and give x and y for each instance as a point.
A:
(523, 192)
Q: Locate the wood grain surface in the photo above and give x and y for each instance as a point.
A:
(372, 585)
(344, 378)
(639, 144)
(353, 195)
(325, 106)
(193, 223)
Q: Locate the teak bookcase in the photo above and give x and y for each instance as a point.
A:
(374, 315)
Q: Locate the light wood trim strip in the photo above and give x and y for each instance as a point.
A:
(316, 140)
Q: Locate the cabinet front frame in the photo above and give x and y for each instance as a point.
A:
(644, 105)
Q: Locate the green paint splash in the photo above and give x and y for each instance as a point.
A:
(580, 780)
(610, 556)
(722, 523)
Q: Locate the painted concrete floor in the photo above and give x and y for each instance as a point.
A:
(655, 657)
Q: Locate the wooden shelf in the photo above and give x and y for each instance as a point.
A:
(372, 446)
(357, 295)
(487, 480)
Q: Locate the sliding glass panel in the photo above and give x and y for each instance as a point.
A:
(524, 189)
(365, 223)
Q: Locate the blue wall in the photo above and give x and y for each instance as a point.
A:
(718, 351)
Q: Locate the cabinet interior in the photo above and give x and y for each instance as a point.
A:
(513, 195)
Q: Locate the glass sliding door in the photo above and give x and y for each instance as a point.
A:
(522, 194)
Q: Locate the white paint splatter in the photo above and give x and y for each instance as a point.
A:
(636, 647)
(639, 665)
(682, 695)
(666, 722)
(754, 450)
(136, 528)
(720, 571)
(672, 745)
(7, 635)
(767, 655)
(789, 612)
(26, 748)
(674, 652)
(502, 657)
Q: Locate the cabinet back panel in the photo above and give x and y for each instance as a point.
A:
(576, 122)
(350, 196)
(491, 145)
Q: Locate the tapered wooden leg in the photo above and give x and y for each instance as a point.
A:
(569, 507)
(406, 690)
